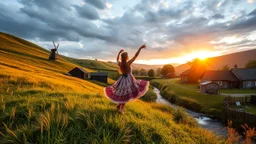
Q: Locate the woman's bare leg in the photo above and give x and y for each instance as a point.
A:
(121, 108)
(118, 106)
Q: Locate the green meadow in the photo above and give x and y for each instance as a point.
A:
(188, 95)
(40, 104)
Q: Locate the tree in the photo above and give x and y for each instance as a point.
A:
(225, 67)
(151, 73)
(136, 72)
(143, 72)
(168, 71)
(250, 64)
(158, 72)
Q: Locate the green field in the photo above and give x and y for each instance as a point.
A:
(247, 108)
(39, 104)
(238, 91)
(188, 95)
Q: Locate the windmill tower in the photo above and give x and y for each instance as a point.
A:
(54, 52)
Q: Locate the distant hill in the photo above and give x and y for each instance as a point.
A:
(146, 67)
(215, 63)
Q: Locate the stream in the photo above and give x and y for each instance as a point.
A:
(216, 126)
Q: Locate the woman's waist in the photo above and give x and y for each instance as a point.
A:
(126, 74)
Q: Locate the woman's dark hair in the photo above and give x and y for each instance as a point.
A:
(124, 58)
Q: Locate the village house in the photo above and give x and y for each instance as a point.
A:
(99, 76)
(83, 74)
(191, 76)
(79, 72)
(236, 78)
(247, 77)
(184, 76)
(209, 87)
(224, 78)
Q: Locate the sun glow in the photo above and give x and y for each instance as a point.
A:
(182, 59)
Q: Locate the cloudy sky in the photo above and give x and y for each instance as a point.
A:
(175, 31)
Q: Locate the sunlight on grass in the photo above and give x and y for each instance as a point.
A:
(39, 104)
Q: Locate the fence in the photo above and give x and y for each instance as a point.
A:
(239, 117)
(245, 99)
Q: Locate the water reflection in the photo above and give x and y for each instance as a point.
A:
(203, 120)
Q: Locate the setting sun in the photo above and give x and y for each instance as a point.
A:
(204, 54)
(183, 58)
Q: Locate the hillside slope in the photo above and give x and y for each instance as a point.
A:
(215, 63)
(39, 104)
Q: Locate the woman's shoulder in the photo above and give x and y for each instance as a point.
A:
(124, 63)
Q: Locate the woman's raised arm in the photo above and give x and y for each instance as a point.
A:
(137, 53)
(117, 59)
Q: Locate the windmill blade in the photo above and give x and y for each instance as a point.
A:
(54, 44)
(57, 46)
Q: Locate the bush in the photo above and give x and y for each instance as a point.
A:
(189, 103)
(180, 116)
(150, 96)
(170, 96)
(151, 73)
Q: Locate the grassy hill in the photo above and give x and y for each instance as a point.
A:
(110, 67)
(39, 104)
(215, 63)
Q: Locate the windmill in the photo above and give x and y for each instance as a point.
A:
(53, 55)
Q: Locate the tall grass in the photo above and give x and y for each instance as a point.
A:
(39, 104)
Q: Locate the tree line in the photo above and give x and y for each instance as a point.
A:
(167, 71)
(249, 64)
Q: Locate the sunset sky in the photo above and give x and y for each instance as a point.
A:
(175, 31)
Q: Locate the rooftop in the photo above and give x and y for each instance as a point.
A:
(245, 74)
(218, 75)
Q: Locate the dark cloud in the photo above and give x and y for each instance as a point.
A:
(50, 5)
(184, 27)
(245, 23)
(87, 12)
(66, 27)
(253, 13)
(218, 16)
(100, 4)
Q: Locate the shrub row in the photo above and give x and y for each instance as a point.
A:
(172, 97)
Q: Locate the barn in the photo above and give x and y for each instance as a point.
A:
(209, 87)
(79, 72)
(184, 76)
(191, 75)
(225, 79)
(246, 76)
(99, 76)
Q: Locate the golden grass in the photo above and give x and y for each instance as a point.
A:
(39, 104)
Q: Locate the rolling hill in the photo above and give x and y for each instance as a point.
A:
(215, 63)
(39, 104)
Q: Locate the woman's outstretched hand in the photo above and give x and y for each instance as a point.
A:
(143, 46)
(122, 50)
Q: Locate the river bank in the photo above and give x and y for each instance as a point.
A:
(186, 96)
(216, 126)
